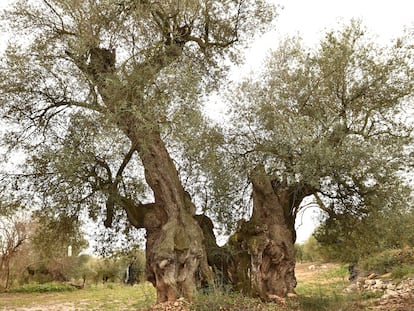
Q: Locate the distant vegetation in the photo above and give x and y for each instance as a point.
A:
(378, 243)
(34, 260)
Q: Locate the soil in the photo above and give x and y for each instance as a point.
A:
(303, 273)
(394, 304)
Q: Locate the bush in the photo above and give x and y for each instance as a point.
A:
(388, 261)
(311, 250)
(299, 252)
(402, 271)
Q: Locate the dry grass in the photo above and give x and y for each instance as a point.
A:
(102, 297)
(318, 290)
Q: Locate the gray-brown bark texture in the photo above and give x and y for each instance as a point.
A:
(175, 249)
(219, 258)
(263, 247)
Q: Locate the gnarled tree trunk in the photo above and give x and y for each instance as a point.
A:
(219, 258)
(263, 247)
(175, 243)
(175, 250)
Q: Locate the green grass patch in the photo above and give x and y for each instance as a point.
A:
(44, 288)
(217, 299)
(320, 291)
(105, 297)
(341, 272)
(330, 302)
(371, 295)
(324, 291)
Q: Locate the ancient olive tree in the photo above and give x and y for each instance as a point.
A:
(328, 124)
(96, 88)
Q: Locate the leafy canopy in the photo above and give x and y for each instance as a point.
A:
(330, 122)
(88, 73)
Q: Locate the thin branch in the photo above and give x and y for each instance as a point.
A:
(321, 205)
(62, 30)
(123, 165)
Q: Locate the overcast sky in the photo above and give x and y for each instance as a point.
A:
(309, 19)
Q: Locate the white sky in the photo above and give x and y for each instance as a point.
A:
(309, 19)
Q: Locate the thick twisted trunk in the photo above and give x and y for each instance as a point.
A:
(263, 247)
(175, 247)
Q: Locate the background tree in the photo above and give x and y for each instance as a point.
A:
(327, 123)
(95, 75)
(55, 233)
(312, 250)
(14, 229)
(50, 241)
(350, 239)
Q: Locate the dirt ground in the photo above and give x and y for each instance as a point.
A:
(303, 273)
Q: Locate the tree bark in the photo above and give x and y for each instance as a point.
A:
(263, 247)
(175, 245)
(219, 258)
(5, 270)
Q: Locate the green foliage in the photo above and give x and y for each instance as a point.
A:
(109, 270)
(299, 252)
(44, 288)
(311, 250)
(14, 236)
(73, 115)
(402, 271)
(348, 238)
(54, 233)
(47, 253)
(398, 260)
(222, 300)
(114, 268)
(371, 295)
(322, 291)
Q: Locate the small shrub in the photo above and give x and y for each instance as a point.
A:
(402, 271)
(44, 288)
(388, 260)
(371, 295)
